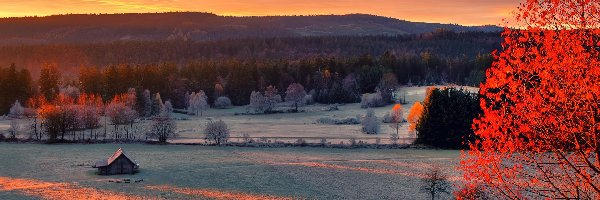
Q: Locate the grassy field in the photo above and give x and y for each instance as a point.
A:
(33, 171)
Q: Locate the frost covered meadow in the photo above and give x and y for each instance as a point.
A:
(192, 171)
(200, 172)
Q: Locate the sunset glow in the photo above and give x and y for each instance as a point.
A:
(466, 12)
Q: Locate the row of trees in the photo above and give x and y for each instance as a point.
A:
(332, 80)
(454, 48)
(71, 114)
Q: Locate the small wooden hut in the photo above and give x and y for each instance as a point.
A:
(118, 163)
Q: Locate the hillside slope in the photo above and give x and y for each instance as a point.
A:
(79, 28)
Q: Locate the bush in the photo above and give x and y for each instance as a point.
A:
(308, 100)
(222, 103)
(387, 118)
(394, 137)
(371, 100)
(346, 121)
(370, 123)
(441, 125)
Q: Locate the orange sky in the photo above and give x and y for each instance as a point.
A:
(466, 12)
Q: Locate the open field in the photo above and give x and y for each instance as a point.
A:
(34, 171)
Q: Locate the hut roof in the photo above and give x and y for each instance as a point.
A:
(111, 159)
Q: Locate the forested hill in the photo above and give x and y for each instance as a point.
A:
(78, 28)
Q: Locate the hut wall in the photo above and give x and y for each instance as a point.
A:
(121, 166)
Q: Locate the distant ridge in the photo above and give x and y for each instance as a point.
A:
(91, 28)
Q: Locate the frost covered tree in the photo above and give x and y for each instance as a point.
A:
(162, 128)
(14, 128)
(17, 110)
(295, 94)
(222, 102)
(90, 108)
(167, 109)
(157, 104)
(198, 102)
(370, 123)
(187, 98)
(216, 132)
(272, 98)
(121, 115)
(257, 102)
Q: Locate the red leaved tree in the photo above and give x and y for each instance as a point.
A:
(539, 136)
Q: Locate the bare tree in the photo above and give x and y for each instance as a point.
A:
(14, 128)
(435, 183)
(162, 128)
(216, 132)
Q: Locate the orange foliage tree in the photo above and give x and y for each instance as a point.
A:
(539, 136)
(414, 114)
(397, 117)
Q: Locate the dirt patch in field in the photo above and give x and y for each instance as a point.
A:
(57, 190)
(215, 194)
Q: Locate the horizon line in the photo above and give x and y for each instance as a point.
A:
(234, 15)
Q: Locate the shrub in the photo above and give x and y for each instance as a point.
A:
(246, 137)
(222, 103)
(323, 141)
(387, 118)
(301, 141)
(371, 100)
(394, 137)
(370, 123)
(352, 141)
(346, 121)
(308, 100)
